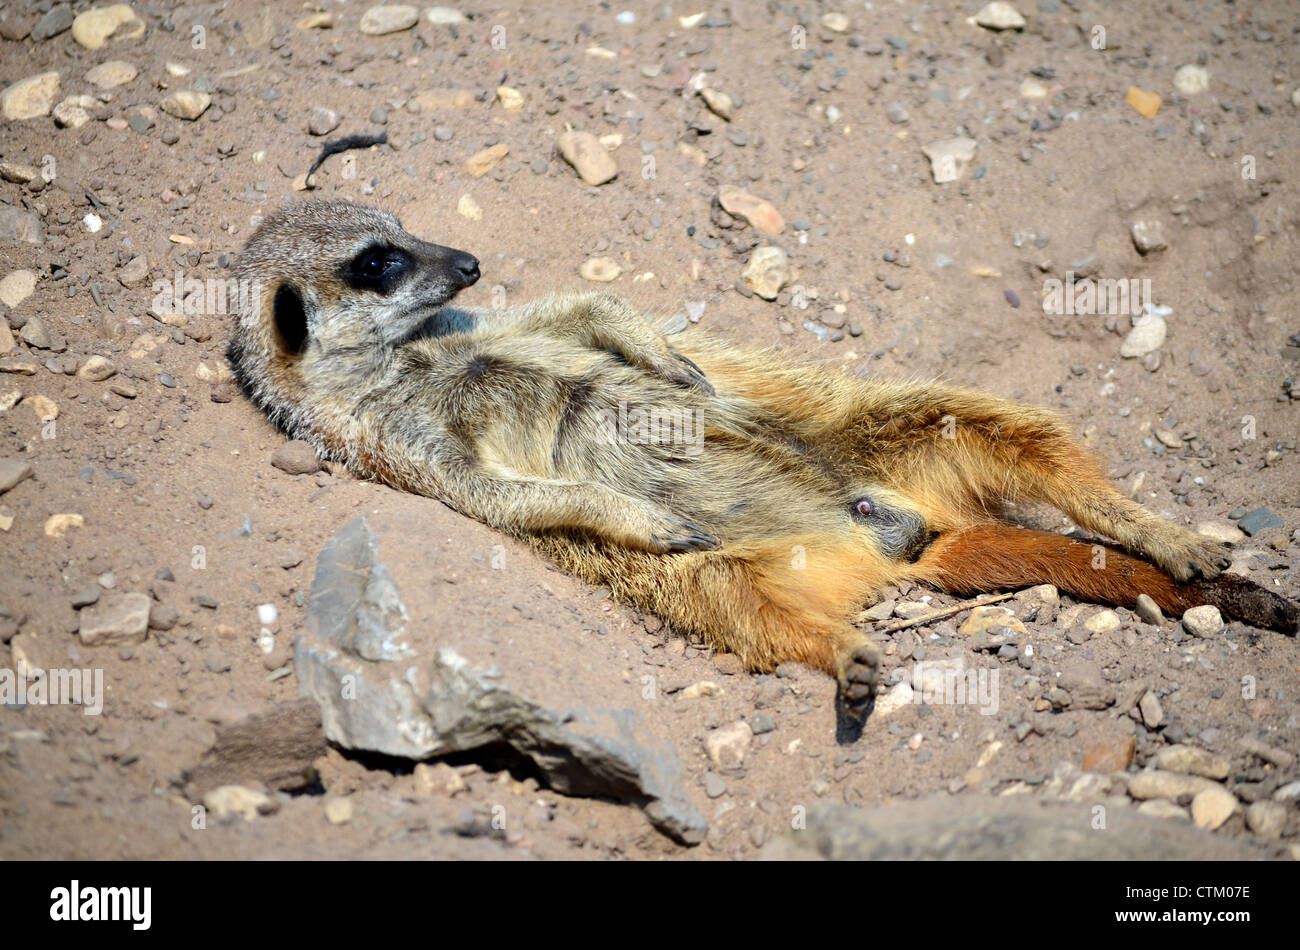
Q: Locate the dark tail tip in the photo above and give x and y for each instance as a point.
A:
(1246, 601)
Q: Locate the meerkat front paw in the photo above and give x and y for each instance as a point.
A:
(662, 532)
(1191, 556)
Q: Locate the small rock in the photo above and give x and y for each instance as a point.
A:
(1159, 808)
(135, 271)
(1146, 103)
(1033, 90)
(767, 272)
(381, 20)
(511, 99)
(1190, 760)
(236, 800)
(186, 104)
(482, 162)
(759, 213)
(444, 16)
(122, 619)
(112, 74)
(950, 158)
(1261, 519)
(589, 158)
(57, 525)
(296, 457)
(1109, 756)
(1147, 336)
(1266, 819)
(599, 269)
(1106, 621)
(1148, 235)
(727, 745)
(1000, 16)
(1204, 621)
(835, 22)
(30, 98)
(53, 23)
(13, 471)
(17, 287)
(20, 227)
(1148, 611)
(1191, 79)
(73, 112)
(1153, 713)
(896, 114)
(981, 620)
(1222, 531)
(322, 121)
(1171, 785)
(339, 811)
(719, 103)
(96, 369)
(1212, 806)
(467, 207)
(93, 28)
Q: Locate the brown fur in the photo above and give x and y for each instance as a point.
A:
(746, 536)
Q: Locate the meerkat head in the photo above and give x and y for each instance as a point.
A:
(334, 285)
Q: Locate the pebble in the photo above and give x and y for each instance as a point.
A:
(316, 21)
(1261, 519)
(381, 20)
(444, 16)
(896, 114)
(1000, 16)
(467, 207)
(296, 457)
(1159, 808)
(767, 272)
(53, 23)
(599, 269)
(1033, 90)
(762, 723)
(482, 162)
(511, 99)
(1148, 610)
(1190, 760)
(1266, 819)
(719, 103)
(1147, 336)
(726, 746)
(1191, 79)
(1153, 713)
(1213, 806)
(1105, 621)
(322, 121)
(759, 213)
(949, 158)
(20, 227)
(442, 133)
(135, 271)
(93, 28)
(982, 620)
(1146, 103)
(30, 98)
(714, 785)
(339, 811)
(236, 801)
(123, 618)
(836, 22)
(1148, 235)
(13, 471)
(186, 104)
(112, 74)
(1223, 531)
(589, 158)
(1171, 785)
(96, 369)
(17, 287)
(1114, 756)
(1204, 621)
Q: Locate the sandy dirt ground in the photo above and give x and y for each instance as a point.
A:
(135, 477)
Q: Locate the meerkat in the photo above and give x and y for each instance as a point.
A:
(778, 500)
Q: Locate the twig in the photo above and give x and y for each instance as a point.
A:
(940, 614)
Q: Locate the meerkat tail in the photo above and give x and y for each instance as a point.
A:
(992, 557)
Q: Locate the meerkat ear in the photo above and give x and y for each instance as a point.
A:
(290, 318)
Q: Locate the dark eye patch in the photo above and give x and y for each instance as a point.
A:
(379, 267)
(290, 318)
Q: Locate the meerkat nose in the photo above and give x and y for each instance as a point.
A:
(466, 269)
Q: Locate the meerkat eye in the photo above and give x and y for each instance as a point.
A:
(376, 268)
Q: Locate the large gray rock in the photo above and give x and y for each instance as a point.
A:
(386, 683)
(979, 828)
